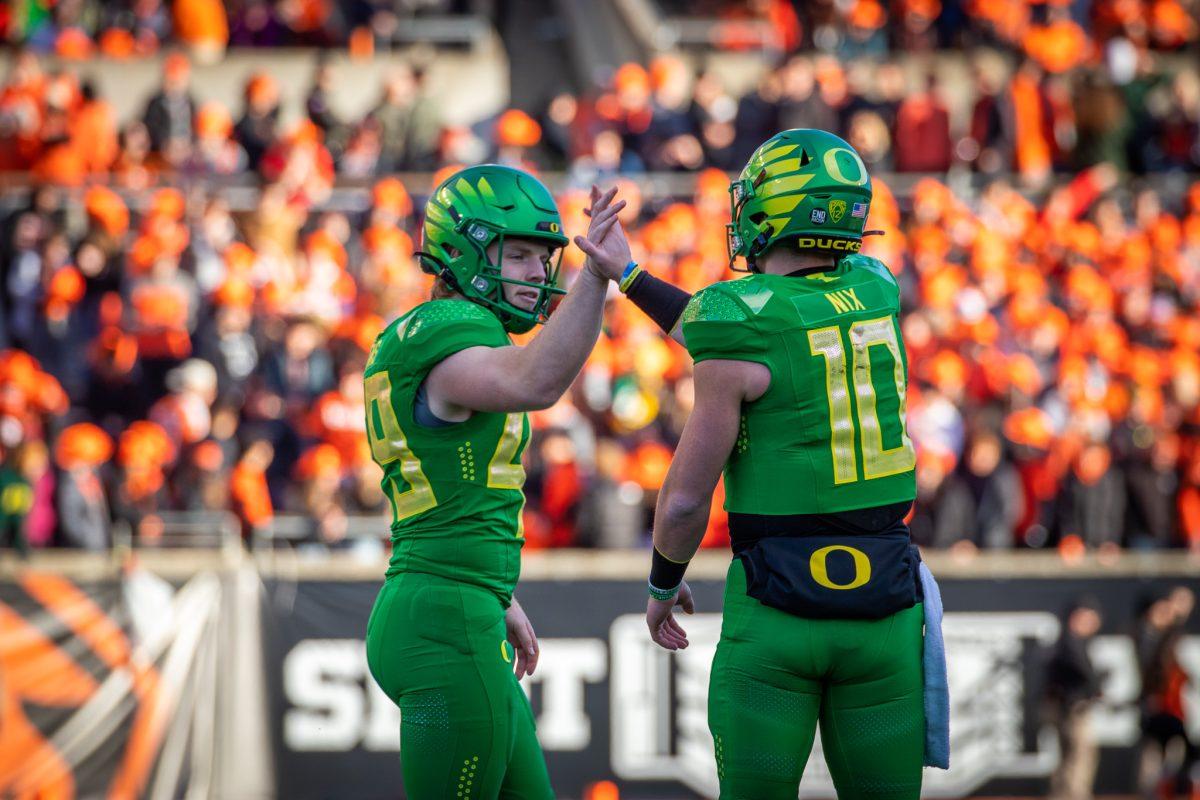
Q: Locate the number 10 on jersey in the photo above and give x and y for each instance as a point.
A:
(878, 461)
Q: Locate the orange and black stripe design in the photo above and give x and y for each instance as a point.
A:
(58, 646)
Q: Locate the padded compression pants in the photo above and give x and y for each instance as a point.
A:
(438, 649)
(775, 676)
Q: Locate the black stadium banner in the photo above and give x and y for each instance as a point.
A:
(610, 705)
(204, 676)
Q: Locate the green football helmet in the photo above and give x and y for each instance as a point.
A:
(804, 185)
(476, 207)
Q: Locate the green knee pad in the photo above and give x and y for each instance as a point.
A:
(437, 648)
(776, 677)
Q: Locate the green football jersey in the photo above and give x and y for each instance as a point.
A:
(829, 434)
(456, 490)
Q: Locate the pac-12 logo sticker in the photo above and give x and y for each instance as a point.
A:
(818, 216)
(837, 209)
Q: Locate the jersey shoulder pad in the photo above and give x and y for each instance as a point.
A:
(883, 276)
(436, 329)
(875, 267)
(719, 321)
(719, 302)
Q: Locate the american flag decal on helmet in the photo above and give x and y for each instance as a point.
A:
(858, 210)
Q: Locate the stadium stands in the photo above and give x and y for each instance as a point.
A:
(192, 276)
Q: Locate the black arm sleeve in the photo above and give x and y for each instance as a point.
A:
(661, 301)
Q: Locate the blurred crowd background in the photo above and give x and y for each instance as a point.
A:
(188, 291)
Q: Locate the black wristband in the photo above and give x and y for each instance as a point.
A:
(666, 574)
(660, 301)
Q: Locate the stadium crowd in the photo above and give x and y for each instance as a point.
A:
(161, 350)
(1059, 33)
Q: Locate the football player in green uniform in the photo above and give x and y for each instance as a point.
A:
(446, 396)
(800, 379)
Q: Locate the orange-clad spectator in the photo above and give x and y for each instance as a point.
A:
(390, 201)
(63, 292)
(923, 132)
(73, 44)
(337, 417)
(216, 152)
(144, 451)
(82, 445)
(202, 26)
(516, 133)
(234, 292)
(83, 514)
(323, 290)
(320, 470)
(1060, 45)
(631, 101)
(865, 22)
(21, 106)
(28, 394)
(917, 19)
(185, 414)
(319, 462)
(785, 24)
(60, 160)
(1120, 17)
(302, 165)
(516, 129)
(306, 16)
(145, 445)
(1032, 145)
(561, 488)
(117, 44)
(1171, 25)
(163, 308)
(167, 203)
(248, 488)
(94, 131)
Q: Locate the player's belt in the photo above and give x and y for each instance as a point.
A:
(746, 529)
(860, 576)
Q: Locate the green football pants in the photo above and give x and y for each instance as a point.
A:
(775, 676)
(437, 648)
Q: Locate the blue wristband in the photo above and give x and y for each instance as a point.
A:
(630, 268)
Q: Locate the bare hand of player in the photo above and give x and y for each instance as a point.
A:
(605, 245)
(665, 630)
(522, 638)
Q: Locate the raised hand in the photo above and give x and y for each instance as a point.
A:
(605, 245)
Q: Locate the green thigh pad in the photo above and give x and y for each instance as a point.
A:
(776, 676)
(437, 648)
